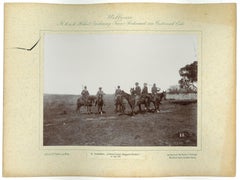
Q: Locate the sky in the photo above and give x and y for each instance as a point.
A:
(72, 61)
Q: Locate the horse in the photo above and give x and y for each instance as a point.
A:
(88, 102)
(142, 99)
(156, 100)
(130, 99)
(134, 101)
(99, 102)
(119, 105)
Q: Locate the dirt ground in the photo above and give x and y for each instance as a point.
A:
(175, 125)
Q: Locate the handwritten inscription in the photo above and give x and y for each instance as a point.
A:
(119, 17)
(120, 20)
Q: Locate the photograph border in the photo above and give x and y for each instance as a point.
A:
(121, 148)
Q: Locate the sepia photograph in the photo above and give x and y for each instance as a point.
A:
(135, 89)
(120, 89)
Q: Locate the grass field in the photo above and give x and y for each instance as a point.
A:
(175, 125)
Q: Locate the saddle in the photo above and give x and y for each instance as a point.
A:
(85, 100)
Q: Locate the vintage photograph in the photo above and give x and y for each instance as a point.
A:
(120, 89)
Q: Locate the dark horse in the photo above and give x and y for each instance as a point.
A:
(99, 102)
(156, 100)
(88, 102)
(134, 101)
(143, 99)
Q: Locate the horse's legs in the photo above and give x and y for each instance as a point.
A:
(78, 110)
(116, 108)
(119, 107)
(132, 109)
(148, 104)
(100, 111)
(157, 107)
(89, 109)
(140, 108)
(145, 105)
(122, 108)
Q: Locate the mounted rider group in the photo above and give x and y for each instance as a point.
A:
(137, 97)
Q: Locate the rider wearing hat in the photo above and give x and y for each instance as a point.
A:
(85, 94)
(137, 89)
(100, 93)
(155, 90)
(145, 89)
(137, 92)
(118, 99)
(118, 92)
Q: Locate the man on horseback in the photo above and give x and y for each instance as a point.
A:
(145, 96)
(145, 90)
(100, 93)
(118, 100)
(137, 92)
(155, 90)
(137, 89)
(118, 92)
(85, 94)
(100, 101)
